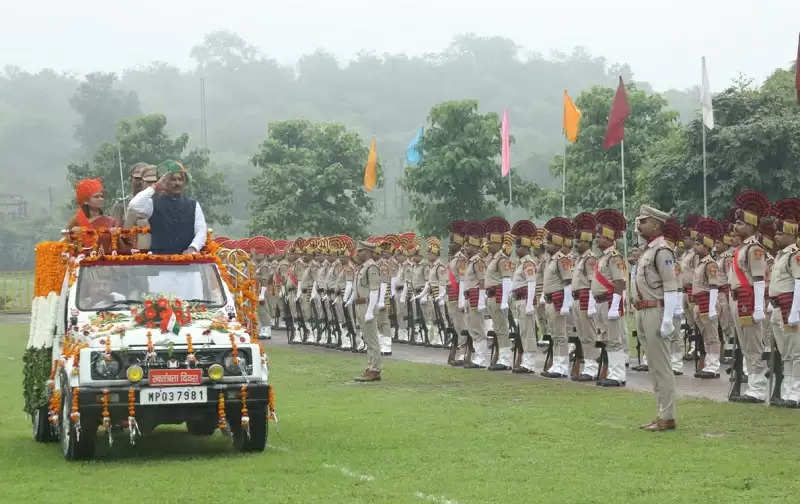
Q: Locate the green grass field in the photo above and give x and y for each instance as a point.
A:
(425, 434)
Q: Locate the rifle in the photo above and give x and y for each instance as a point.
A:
(638, 347)
(393, 317)
(337, 329)
(452, 342)
(410, 321)
(303, 327)
(699, 353)
(516, 337)
(315, 322)
(288, 320)
(423, 326)
(440, 324)
(327, 327)
(737, 370)
(351, 328)
(577, 357)
(776, 375)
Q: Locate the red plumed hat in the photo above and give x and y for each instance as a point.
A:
(584, 225)
(494, 228)
(559, 229)
(751, 206)
(709, 231)
(788, 214)
(610, 223)
(672, 230)
(525, 233)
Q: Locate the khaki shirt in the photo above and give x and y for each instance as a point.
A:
(752, 261)
(540, 261)
(419, 275)
(500, 266)
(612, 266)
(583, 271)
(706, 275)
(785, 271)
(437, 276)
(473, 273)
(557, 273)
(368, 279)
(525, 271)
(656, 271)
(135, 219)
(688, 263)
(723, 265)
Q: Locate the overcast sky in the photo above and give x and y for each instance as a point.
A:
(662, 40)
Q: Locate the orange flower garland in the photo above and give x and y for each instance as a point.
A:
(75, 414)
(150, 357)
(190, 358)
(105, 400)
(234, 349)
(245, 414)
(133, 426)
(55, 407)
(222, 421)
(50, 268)
(271, 414)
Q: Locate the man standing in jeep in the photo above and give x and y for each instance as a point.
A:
(177, 223)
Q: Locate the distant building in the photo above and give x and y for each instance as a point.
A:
(12, 207)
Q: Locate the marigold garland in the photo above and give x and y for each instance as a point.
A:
(50, 268)
(133, 426)
(271, 414)
(222, 421)
(234, 349)
(245, 414)
(75, 414)
(54, 415)
(190, 358)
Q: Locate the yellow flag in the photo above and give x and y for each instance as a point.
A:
(572, 116)
(370, 174)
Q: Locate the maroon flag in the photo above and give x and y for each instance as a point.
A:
(616, 119)
(797, 71)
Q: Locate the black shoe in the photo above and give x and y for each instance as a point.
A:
(583, 377)
(706, 375)
(607, 382)
(641, 367)
(522, 370)
(386, 354)
(677, 373)
(746, 399)
(472, 365)
(780, 403)
(548, 374)
(457, 363)
(498, 367)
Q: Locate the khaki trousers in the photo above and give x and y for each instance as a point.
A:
(458, 318)
(588, 331)
(499, 323)
(527, 325)
(369, 332)
(658, 360)
(557, 324)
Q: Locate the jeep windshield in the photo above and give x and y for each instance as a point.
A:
(117, 286)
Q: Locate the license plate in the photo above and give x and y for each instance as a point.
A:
(172, 395)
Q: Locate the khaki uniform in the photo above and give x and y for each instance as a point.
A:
(368, 280)
(523, 295)
(135, 219)
(655, 275)
(611, 268)
(724, 303)
(265, 309)
(688, 262)
(587, 328)
(419, 277)
(706, 279)
(382, 311)
(345, 276)
(557, 274)
(437, 285)
(401, 289)
(785, 273)
(471, 279)
(500, 267)
(752, 262)
(457, 264)
(540, 311)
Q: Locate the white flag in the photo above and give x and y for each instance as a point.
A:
(708, 111)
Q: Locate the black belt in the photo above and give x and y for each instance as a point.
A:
(491, 292)
(602, 298)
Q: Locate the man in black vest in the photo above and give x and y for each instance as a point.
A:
(177, 223)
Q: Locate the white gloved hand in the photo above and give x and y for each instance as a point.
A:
(461, 296)
(505, 294)
(758, 301)
(424, 299)
(262, 294)
(373, 301)
(613, 310)
(382, 295)
(712, 304)
(566, 306)
(591, 309)
(481, 300)
(667, 328)
(314, 293)
(794, 311)
(529, 299)
(671, 300)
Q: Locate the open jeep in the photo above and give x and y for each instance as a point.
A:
(136, 341)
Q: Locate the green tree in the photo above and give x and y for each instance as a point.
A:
(594, 178)
(144, 139)
(311, 181)
(459, 177)
(755, 144)
(101, 105)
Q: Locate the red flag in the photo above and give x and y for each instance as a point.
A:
(797, 71)
(616, 119)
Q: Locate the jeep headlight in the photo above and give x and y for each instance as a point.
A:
(107, 368)
(134, 373)
(234, 368)
(215, 372)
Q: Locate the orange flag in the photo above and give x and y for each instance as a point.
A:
(572, 117)
(370, 173)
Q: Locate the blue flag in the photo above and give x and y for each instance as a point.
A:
(414, 153)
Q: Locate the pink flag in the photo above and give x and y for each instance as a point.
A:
(505, 154)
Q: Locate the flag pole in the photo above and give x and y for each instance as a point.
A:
(509, 187)
(624, 213)
(705, 185)
(564, 180)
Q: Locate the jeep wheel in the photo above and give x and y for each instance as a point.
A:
(72, 446)
(258, 430)
(205, 427)
(42, 430)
